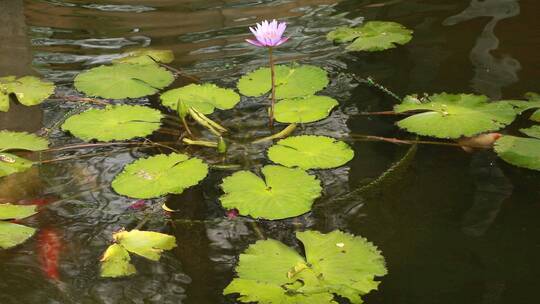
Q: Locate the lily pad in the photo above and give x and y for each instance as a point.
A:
(285, 193)
(291, 81)
(335, 263)
(454, 115)
(203, 97)
(146, 56)
(116, 262)
(29, 90)
(372, 36)
(310, 152)
(147, 244)
(159, 175)
(22, 141)
(304, 110)
(12, 234)
(16, 212)
(519, 151)
(123, 80)
(114, 123)
(533, 131)
(10, 164)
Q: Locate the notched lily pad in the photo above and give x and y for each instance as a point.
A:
(372, 36)
(147, 244)
(29, 90)
(10, 164)
(304, 110)
(146, 56)
(114, 123)
(454, 115)
(10, 140)
(16, 212)
(519, 151)
(123, 80)
(310, 152)
(335, 263)
(12, 234)
(533, 131)
(116, 262)
(284, 193)
(159, 175)
(203, 97)
(291, 81)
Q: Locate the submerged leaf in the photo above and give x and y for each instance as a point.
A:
(519, 151)
(10, 164)
(336, 263)
(114, 123)
(372, 36)
(116, 262)
(123, 80)
(310, 152)
(146, 56)
(159, 175)
(291, 81)
(203, 97)
(29, 90)
(10, 140)
(304, 110)
(12, 234)
(454, 115)
(16, 212)
(285, 193)
(147, 244)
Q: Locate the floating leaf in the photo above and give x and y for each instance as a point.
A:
(146, 56)
(159, 175)
(116, 262)
(286, 193)
(533, 131)
(114, 123)
(203, 97)
(336, 263)
(123, 80)
(147, 244)
(519, 151)
(453, 116)
(12, 234)
(372, 36)
(29, 90)
(16, 212)
(22, 141)
(310, 152)
(304, 110)
(535, 116)
(291, 81)
(10, 164)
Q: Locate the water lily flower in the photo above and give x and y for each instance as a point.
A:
(268, 34)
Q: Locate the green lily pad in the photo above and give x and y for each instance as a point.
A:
(203, 97)
(310, 152)
(159, 175)
(454, 115)
(285, 193)
(291, 81)
(146, 56)
(29, 90)
(16, 212)
(147, 244)
(519, 151)
(335, 263)
(533, 131)
(12, 234)
(22, 141)
(123, 80)
(535, 116)
(304, 110)
(116, 262)
(10, 164)
(114, 123)
(372, 36)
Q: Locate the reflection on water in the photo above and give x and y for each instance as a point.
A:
(423, 220)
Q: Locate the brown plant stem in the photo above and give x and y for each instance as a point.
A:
(273, 77)
(407, 141)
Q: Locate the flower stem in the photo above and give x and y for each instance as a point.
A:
(273, 76)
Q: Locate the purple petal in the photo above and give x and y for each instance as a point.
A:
(281, 41)
(281, 28)
(256, 43)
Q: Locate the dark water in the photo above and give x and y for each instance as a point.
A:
(454, 227)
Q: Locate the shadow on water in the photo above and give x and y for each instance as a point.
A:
(454, 227)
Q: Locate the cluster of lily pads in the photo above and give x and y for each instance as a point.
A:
(336, 263)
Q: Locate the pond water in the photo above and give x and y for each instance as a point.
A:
(453, 227)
